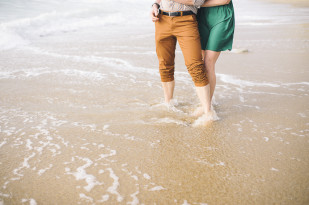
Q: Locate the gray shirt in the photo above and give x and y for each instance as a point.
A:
(170, 5)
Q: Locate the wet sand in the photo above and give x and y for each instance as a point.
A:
(85, 124)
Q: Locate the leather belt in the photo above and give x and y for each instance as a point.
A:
(177, 13)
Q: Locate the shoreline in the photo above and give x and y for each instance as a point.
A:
(82, 109)
(296, 3)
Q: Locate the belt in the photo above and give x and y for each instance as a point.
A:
(177, 13)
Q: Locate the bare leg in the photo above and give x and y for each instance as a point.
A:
(168, 88)
(203, 94)
(208, 115)
(210, 59)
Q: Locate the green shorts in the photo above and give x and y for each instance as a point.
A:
(216, 27)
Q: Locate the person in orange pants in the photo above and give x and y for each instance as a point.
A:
(177, 22)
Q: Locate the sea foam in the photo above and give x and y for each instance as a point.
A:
(113, 188)
(22, 31)
(206, 118)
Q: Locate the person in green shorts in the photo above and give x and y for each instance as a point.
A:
(216, 23)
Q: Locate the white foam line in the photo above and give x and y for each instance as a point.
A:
(251, 106)
(135, 200)
(137, 170)
(26, 73)
(25, 22)
(28, 145)
(104, 198)
(300, 114)
(7, 182)
(9, 132)
(25, 164)
(204, 161)
(167, 120)
(33, 202)
(232, 80)
(112, 153)
(185, 203)
(83, 196)
(269, 93)
(274, 169)
(125, 136)
(3, 143)
(4, 195)
(113, 188)
(146, 176)
(157, 188)
(129, 173)
(205, 118)
(134, 177)
(41, 171)
(81, 174)
(66, 143)
(113, 62)
(92, 127)
(48, 23)
(299, 83)
(153, 53)
(235, 81)
(241, 99)
(105, 127)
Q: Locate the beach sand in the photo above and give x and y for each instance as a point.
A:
(82, 121)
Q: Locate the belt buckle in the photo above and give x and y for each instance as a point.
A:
(169, 13)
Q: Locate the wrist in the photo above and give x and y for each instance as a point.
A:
(156, 4)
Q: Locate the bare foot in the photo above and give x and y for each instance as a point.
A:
(171, 106)
(214, 102)
(198, 112)
(205, 119)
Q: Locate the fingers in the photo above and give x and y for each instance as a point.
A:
(154, 19)
(154, 15)
(156, 12)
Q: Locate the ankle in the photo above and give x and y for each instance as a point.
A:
(168, 101)
(207, 111)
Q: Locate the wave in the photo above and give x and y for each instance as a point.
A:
(48, 19)
(116, 63)
(123, 65)
(35, 72)
(22, 31)
(244, 83)
(259, 13)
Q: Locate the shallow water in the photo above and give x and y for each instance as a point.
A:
(82, 119)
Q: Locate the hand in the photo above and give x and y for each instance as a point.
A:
(154, 13)
(212, 3)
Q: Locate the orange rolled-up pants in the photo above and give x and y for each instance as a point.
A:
(183, 29)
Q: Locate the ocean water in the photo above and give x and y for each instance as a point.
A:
(82, 118)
